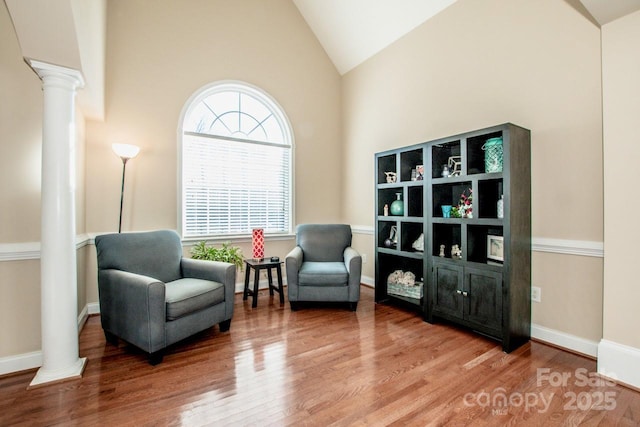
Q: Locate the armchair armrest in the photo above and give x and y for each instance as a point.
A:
(222, 272)
(132, 306)
(352, 260)
(293, 262)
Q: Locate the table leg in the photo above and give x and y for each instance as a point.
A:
(256, 282)
(279, 271)
(245, 293)
(270, 281)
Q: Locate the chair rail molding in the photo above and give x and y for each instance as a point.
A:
(31, 250)
(538, 244)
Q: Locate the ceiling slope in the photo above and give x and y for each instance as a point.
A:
(352, 31)
(605, 11)
(68, 33)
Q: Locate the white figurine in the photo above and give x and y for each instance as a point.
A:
(395, 277)
(418, 245)
(442, 251)
(391, 177)
(408, 279)
(456, 252)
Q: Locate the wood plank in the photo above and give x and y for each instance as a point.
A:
(323, 365)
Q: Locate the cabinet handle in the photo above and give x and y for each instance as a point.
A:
(459, 292)
(465, 294)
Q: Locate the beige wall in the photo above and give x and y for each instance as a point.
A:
(20, 144)
(535, 63)
(19, 307)
(621, 104)
(20, 154)
(159, 53)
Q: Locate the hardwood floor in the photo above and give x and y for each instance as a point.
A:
(322, 366)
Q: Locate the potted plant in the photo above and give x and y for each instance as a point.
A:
(226, 253)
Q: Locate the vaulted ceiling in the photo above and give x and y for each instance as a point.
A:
(351, 31)
(71, 33)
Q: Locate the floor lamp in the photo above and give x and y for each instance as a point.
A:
(125, 152)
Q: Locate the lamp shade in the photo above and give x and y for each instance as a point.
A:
(257, 244)
(125, 151)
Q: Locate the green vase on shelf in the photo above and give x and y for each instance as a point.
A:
(397, 207)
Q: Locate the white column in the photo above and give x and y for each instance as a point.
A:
(59, 291)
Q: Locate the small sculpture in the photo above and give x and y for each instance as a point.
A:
(391, 177)
(408, 279)
(455, 165)
(393, 237)
(456, 252)
(442, 251)
(386, 210)
(400, 277)
(395, 277)
(418, 245)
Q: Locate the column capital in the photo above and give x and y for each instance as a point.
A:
(45, 70)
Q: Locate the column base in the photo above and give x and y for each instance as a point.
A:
(74, 372)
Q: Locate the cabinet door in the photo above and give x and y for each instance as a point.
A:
(447, 299)
(483, 301)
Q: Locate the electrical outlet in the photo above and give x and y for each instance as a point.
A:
(536, 294)
(364, 258)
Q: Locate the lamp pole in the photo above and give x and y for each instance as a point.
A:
(124, 168)
(125, 152)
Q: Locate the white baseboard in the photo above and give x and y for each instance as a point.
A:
(562, 339)
(368, 281)
(20, 362)
(264, 284)
(557, 338)
(619, 362)
(93, 308)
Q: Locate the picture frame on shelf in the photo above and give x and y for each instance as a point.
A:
(495, 248)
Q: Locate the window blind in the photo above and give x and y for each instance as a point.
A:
(231, 186)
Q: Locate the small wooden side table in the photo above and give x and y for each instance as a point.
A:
(265, 264)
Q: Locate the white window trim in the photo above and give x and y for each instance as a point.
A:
(193, 100)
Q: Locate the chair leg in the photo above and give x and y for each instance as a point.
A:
(224, 326)
(155, 358)
(111, 338)
(353, 306)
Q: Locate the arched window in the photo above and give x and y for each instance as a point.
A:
(236, 163)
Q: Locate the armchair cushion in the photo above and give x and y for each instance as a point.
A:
(185, 296)
(323, 273)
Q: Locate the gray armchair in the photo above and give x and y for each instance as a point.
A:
(323, 266)
(152, 297)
